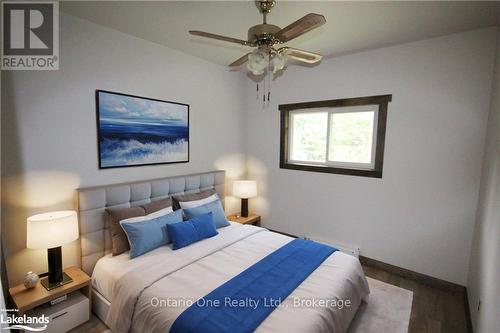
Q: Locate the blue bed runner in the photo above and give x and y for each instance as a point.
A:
(242, 303)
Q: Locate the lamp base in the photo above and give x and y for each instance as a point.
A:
(244, 207)
(49, 286)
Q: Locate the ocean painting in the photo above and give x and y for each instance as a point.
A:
(140, 131)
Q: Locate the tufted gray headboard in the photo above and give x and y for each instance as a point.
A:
(95, 238)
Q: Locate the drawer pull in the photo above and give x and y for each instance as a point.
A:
(59, 315)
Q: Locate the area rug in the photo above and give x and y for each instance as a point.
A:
(387, 311)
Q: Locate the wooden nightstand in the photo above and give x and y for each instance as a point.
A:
(64, 315)
(253, 219)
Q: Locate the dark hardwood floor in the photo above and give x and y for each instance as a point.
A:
(433, 310)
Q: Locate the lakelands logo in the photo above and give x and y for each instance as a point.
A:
(27, 323)
(30, 35)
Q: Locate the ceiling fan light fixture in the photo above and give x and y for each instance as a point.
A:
(258, 61)
(278, 62)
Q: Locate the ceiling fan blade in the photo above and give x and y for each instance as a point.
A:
(301, 55)
(239, 61)
(219, 37)
(301, 26)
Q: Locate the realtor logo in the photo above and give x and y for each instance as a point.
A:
(30, 35)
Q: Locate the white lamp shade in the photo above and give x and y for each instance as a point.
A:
(52, 229)
(245, 189)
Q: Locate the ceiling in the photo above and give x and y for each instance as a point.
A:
(351, 26)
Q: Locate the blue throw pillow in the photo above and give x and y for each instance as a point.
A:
(191, 231)
(147, 235)
(215, 207)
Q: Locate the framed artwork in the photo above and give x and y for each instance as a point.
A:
(135, 131)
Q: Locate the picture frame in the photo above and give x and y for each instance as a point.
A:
(137, 131)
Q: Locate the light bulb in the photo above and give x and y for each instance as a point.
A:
(256, 72)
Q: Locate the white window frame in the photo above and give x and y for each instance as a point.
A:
(336, 164)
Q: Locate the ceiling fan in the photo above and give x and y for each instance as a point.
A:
(266, 36)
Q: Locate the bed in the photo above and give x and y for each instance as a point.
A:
(148, 293)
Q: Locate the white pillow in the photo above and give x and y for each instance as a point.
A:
(197, 203)
(156, 214)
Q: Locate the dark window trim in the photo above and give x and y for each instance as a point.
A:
(382, 101)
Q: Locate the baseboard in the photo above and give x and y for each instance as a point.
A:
(412, 275)
(467, 312)
(403, 272)
(423, 279)
(283, 233)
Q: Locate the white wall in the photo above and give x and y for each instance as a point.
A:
(49, 145)
(484, 271)
(420, 215)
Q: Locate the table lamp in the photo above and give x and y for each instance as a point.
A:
(50, 231)
(244, 189)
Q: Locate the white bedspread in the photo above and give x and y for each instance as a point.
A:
(187, 274)
(110, 269)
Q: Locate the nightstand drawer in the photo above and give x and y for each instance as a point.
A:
(65, 315)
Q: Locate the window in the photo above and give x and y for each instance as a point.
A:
(343, 136)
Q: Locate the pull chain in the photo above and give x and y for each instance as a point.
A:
(264, 94)
(266, 89)
(268, 84)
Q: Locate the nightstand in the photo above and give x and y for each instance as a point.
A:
(65, 315)
(253, 219)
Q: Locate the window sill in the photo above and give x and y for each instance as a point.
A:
(329, 169)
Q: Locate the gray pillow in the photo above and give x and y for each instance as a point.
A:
(157, 205)
(192, 197)
(119, 239)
